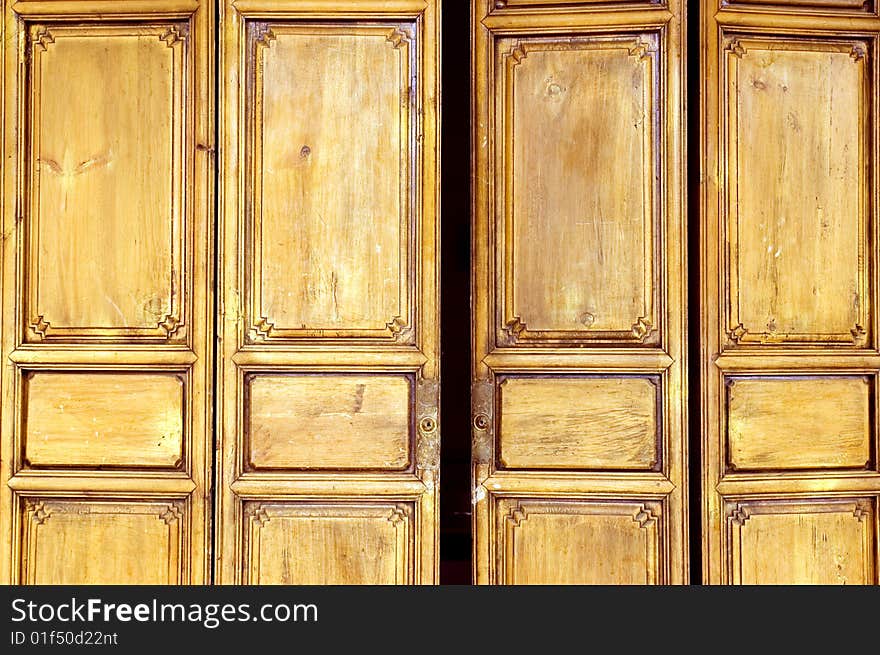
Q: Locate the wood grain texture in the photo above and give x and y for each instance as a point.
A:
(578, 273)
(788, 293)
(559, 542)
(98, 420)
(329, 274)
(332, 216)
(797, 119)
(579, 423)
(107, 292)
(104, 264)
(834, 541)
(860, 6)
(799, 423)
(588, 273)
(329, 421)
(85, 541)
(321, 543)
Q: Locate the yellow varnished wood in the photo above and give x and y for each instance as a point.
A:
(578, 272)
(107, 284)
(328, 293)
(319, 421)
(578, 423)
(788, 262)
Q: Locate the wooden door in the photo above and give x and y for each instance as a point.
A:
(578, 278)
(107, 317)
(789, 256)
(328, 324)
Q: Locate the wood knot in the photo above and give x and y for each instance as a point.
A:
(305, 151)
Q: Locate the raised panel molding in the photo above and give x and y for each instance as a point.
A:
(611, 224)
(797, 541)
(772, 87)
(351, 251)
(103, 541)
(344, 542)
(84, 279)
(596, 541)
(585, 422)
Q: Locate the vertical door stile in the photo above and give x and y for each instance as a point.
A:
(107, 320)
(329, 346)
(789, 112)
(579, 275)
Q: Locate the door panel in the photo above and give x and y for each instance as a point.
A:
(329, 309)
(578, 264)
(790, 474)
(106, 280)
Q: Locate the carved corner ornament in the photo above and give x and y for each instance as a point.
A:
(399, 329)
(859, 335)
(261, 330)
(171, 325)
(263, 34)
(737, 333)
(175, 34)
(735, 48)
(517, 515)
(738, 515)
(513, 328)
(427, 421)
(42, 38)
(641, 50)
(859, 52)
(861, 510)
(645, 517)
(258, 515)
(39, 512)
(170, 514)
(399, 37)
(39, 326)
(642, 328)
(397, 516)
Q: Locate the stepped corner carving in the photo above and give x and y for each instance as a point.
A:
(645, 517)
(737, 333)
(171, 325)
(641, 50)
(39, 326)
(262, 330)
(862, 509)
(42, 38)
(174, 34)
(642, 328)
(170, 515)
(735, 48)
(39, 512)
(858, 52)
(517, 515)
(398, 37)
(739, 515)
(263, 34)
(859, 334)
(258, 515)
(397, 516)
